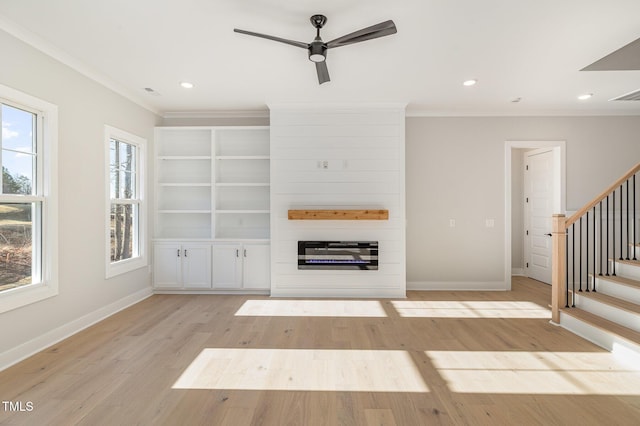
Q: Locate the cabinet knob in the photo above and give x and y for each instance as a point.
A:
(178, 252)
(245, 252)
(185, 252)
(237, 253)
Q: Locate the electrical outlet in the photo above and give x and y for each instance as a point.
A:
(452, 223)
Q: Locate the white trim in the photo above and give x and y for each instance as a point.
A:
(33, 346)
(48, 196)
(48, 49)
(140, 261)
(457, 285)
(248, 113)
(417, 112)
(508, 152)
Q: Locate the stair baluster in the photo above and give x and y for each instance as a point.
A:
(593, 283)
(635, 231)
(607, 243)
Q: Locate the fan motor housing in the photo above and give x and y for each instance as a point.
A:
(317, 51)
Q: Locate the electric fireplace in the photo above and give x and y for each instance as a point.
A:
(354, 255)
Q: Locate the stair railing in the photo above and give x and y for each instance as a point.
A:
(586, 244)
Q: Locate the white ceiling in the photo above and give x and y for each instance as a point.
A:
(525, 49)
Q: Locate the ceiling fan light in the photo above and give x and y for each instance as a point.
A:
(317, 57)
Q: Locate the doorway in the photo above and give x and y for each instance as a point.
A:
(515, 232)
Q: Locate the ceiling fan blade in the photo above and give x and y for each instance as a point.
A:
(269, 37)
(379, 30)
(323, 72)
(627, 58)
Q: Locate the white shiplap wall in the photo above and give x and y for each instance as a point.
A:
(363, 147)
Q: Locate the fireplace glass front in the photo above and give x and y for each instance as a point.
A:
(338, 255)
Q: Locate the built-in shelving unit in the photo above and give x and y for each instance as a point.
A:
(212, 210)
(212, 183)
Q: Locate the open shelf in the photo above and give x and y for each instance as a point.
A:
(247, 184)
(242, 157)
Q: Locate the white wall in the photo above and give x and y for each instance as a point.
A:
(84, 108)
(364, 147)
(455, 170)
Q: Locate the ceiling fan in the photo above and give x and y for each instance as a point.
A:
(318, 48)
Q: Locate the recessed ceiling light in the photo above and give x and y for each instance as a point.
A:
(585, 96)
(186, 85)
(470, 82)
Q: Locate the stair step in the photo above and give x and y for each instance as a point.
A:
(620, 280)
(629, 262)
(612, 308)
(611, 301)
(628, 268)
(599, 330)
(620, 287)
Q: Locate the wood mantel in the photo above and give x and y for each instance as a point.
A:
(338, 214)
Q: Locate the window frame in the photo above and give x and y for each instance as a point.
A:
(45, 219)
(141, 260)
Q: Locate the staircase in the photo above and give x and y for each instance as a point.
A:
(596, 281)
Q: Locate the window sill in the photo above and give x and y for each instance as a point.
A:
(22, 296)
(124, 266)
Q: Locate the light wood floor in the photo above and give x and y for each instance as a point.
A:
(459, 358)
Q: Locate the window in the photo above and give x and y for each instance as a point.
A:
(28, 207)
(126, 209)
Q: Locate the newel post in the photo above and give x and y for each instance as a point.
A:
(558, 267)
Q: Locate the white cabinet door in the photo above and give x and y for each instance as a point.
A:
(196, 266)
(256, 266)
(167, 266)
(227, 266)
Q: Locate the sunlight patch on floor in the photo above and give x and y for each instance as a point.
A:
(303, 370)
(568, 373)
(470, 309)
(312, 308)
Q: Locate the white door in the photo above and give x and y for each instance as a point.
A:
(196, 266)
(256, 266)
(166, 266)
(541, 195)
(227, 266)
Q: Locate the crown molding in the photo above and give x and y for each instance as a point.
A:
(63, 57)
(248, 113)
(522, 113)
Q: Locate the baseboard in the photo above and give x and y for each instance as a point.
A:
(25, 350)
(517, 272)
(458, 285)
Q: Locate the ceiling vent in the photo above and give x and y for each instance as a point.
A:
(632, 96)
